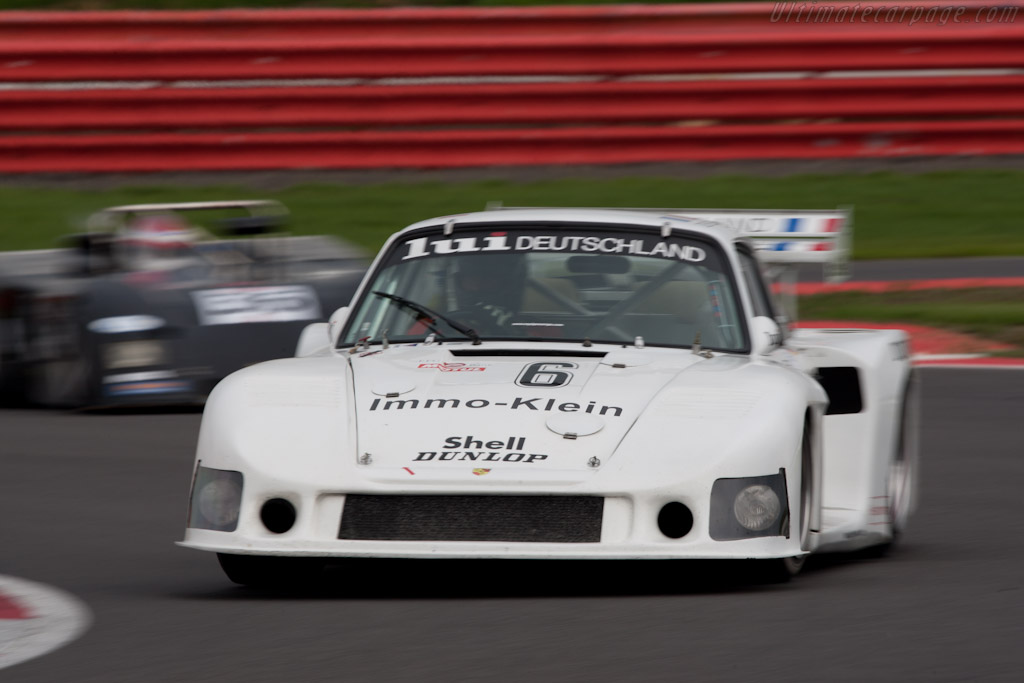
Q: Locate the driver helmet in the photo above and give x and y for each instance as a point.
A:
(484, 280)
(154, 241)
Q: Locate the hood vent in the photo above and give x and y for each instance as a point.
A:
(539, 353)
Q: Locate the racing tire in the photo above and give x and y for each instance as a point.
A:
(63, 383)
(781, 570)
(261, 571)
(901, 478)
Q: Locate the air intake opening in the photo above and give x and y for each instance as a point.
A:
(566, 353)
(843, 388)
(278, 515)
(675, 520)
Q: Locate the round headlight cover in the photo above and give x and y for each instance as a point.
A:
(219, 502)
(757, 507)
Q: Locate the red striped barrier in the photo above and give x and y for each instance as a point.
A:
(459, 148)
(495, 104)
(246, 24)
(618, 56)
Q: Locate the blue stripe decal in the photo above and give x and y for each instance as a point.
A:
(781, 246)
(144, 388)
(792, 224)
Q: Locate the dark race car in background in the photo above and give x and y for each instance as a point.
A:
(148, 308)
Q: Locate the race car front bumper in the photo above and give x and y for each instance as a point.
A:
(676, 523)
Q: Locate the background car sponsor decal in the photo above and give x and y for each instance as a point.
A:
(233, 305)
(139, 388)
(481, 471)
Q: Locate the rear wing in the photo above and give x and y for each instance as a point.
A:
(257, 215)
(782, 238)
(791, 238)
(787, 240)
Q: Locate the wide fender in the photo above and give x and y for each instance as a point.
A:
(726, 421)
(287, 420)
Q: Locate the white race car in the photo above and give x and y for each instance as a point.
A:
(566, 383)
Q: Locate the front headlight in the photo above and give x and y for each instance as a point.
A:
(216, 499)
(749, 506)
(756, 507)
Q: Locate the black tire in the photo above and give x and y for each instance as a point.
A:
(66, 383)
(67, 373)
(901, 479)
(903, 469)
(261, 571)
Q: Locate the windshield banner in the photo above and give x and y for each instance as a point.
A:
(610, 242)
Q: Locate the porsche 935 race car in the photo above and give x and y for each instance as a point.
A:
(146, 307)
(566, 383)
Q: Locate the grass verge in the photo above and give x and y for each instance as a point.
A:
(955, 213)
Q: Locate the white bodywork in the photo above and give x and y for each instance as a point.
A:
(637, 425)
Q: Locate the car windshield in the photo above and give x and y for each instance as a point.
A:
(567, 283)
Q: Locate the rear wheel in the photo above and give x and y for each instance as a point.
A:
(271, 572)
(901, 479)
(903, 470)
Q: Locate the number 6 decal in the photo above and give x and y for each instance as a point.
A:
(545, 375)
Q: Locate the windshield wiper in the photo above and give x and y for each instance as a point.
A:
(430, 313)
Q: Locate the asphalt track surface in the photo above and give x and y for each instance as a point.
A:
(92, 504)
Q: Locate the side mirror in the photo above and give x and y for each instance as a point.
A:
(765, 335)
(315, 337)
(336, 322)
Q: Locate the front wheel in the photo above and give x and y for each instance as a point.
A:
(783, 569)
(271, 572)
(779, 570)
(63, 383)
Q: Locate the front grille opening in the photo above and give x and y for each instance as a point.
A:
(508, 519)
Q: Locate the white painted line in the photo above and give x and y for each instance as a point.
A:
(52, 619)
(268, 83)
(81, 85)
(923, 73)
(484, 79)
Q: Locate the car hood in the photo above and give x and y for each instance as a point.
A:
(436, 409)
